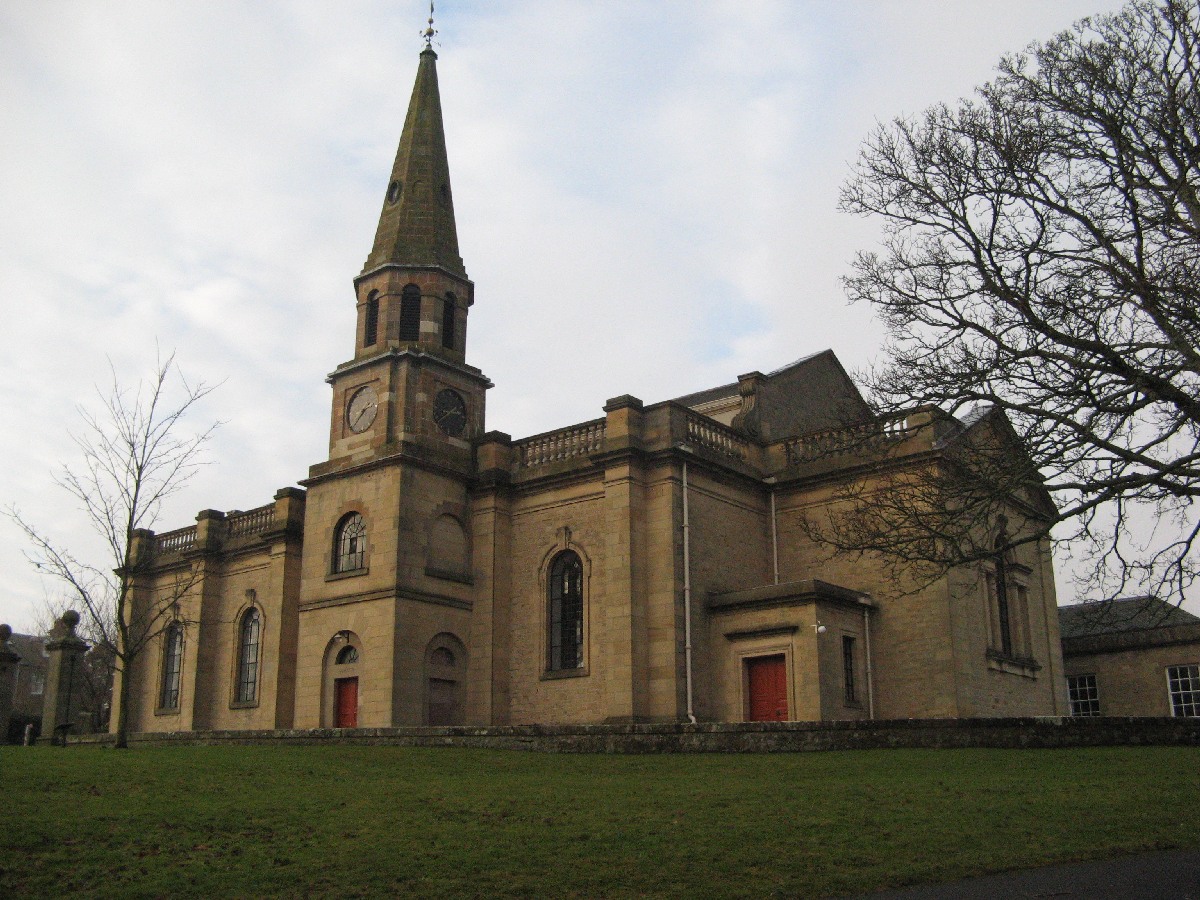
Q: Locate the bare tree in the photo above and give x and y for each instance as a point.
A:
(134, 456)
(1040, 260)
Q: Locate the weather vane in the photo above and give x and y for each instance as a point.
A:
(430, 31)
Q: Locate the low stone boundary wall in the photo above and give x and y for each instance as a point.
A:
(739, 737)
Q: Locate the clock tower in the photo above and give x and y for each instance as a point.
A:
(386, 568)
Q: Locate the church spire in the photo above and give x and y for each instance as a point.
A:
(416, 226)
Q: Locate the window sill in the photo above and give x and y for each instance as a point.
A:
(353, 573)
(448, 575)
(167, 711)
(555, 674)
(1013, 665)
(246, 704)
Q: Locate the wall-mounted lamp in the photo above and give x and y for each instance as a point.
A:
(343, 636)
(819, 628)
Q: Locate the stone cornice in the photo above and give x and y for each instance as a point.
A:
(418, 357)
(790, 593)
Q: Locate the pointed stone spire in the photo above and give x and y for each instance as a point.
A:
(416, 227)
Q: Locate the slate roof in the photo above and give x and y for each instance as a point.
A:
(29, 647)
(1120, 616)
(717, 393)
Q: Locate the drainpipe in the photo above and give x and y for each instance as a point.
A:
(687, 597)
(774, 531)
(870, 676)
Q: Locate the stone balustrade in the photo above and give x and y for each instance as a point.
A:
(175, 541)
(253, 521)
(711, 435)
(566, 443)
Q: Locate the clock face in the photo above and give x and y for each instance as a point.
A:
(450, 412)
(361, 410)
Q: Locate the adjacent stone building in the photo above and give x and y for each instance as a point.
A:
(27, 683)
(647, 565)
(1132, 657)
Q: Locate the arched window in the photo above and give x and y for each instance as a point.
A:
(566, 612)
(371, 325)
(410, 313)
(248, 644)
(349, 544)
(448, 321)
(172, 666)
(346, 656)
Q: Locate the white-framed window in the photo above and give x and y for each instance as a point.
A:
(37, 683)
(1183, 685)
(350, 543)
(1084, 695)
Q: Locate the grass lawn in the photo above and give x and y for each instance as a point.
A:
(381, 821)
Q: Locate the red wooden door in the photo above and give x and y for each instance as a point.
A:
(345, 703)
(768, 688)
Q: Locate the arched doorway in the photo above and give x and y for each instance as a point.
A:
(445, 668)
(340, 684)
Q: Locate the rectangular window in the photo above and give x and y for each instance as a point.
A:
(1002, 611)
(1084, 695)
(848, 668)
(371, 326)
(410, 313)
(448, 322)
(1183, 683)
(37, 683)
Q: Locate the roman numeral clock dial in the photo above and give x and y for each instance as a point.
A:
(450, 412)
(361, 410)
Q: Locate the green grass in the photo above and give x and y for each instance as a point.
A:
(379, 821)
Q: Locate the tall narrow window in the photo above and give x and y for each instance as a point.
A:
(248, 643)
(410, 313)
(371, 325)
(448, 321)
(1003, 609)
(172, 666)
(848, 668)
(1183, 683)
(566, 612)
(349, 544)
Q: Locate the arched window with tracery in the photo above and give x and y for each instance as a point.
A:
(248, 646)
(350, 543)
(172, 667)
(410, 313)
(566, 612)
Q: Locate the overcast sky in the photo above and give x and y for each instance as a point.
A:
(646, 196)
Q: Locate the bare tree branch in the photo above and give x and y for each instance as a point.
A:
(1042, 258)
(134, 455)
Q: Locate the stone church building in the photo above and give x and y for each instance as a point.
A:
(647, 565)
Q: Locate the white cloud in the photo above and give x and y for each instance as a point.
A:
(646, 197)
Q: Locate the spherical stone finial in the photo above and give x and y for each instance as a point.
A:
(70, 619)
(5, 633)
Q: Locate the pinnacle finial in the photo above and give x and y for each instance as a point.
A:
(429, 31)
